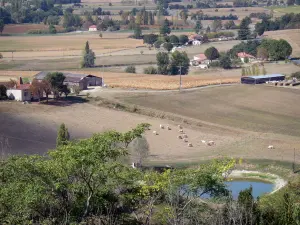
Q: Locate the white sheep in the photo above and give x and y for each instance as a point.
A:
(162, 126)
(181, 131)
(179, 137)
(169, 128)
(270, 147)
(185, 140)
(179, 127)
(211, 142)
(155, 132)
(190, 145)
(203, 141)
(185, 136)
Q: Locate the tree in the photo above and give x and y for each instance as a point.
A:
(198, 26)
(212, 53)
(36, 88)
(243, 72)
(230, 25)
(2, 25)
(162, 59)
(208, 29)
(246, 60)
(183, 39)
(168, 46)
(63, 135)
(3, 90)
(225, 62)
(264, 71)
(1, 56)
(150, 38)
(88, 57)
(52, 29)
(277, 49)
(137, 31)
(262, 53)
(184, 15)
(205, 38)
(260, 29)
(130, 69)
(165, 28)
(179, 63)
(56, 80)
(216, 25)
(139, 148)
(290, 2)
(244, 31)
(173, 39)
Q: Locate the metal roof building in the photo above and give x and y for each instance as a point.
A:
(260, 79)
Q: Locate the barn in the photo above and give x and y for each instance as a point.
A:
(260, 79)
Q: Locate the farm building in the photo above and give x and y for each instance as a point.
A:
(244, 55)
(20, 93)
(81, 80)
(262, 78)
(93, 28)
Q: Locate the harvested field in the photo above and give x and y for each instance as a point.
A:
(23, 125)
(291, 36)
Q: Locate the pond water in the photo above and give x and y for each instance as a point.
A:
(258, 187)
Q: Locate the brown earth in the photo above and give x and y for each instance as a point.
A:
(24, 28)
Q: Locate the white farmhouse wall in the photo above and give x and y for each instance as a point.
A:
(18, 95)
(93, 29)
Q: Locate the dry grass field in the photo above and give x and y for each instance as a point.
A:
(24, 28)
(292, 36)
(242, 120)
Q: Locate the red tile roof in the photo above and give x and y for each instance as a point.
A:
(23, 87)
(244, 55)
(200, 57)
(93, 26)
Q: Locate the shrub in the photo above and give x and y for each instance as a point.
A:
(37, 32)
(296, 75)
(130, 69)
(214, 64)
(3, 92)
(150, 70)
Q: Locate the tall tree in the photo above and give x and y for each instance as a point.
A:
(165, 28)
(162, 59)
(56, 80)
(137, 31)
(184, 15)
(183, 39)
(173, 39)
(212, 53)
(225, 62)
(36, 88)
(89, 57)
(168, 46)
(179, 63)
(63, 135)
(198, 26)
(2, 25)
(262, 53)
(244, 31)
(139, 148)
(216, 25)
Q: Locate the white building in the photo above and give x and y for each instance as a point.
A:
(93, 28)
(19, 94)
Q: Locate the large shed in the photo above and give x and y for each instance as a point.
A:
(260, 79)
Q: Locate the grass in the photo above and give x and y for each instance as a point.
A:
(289, 9)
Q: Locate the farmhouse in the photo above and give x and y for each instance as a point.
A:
(262, 78)
(244, 55)
(93, 28)
(80, 80)
(19, 93)
(199, 59)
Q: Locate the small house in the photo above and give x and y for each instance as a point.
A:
(20, 93)
(244, 55)
(93, 28)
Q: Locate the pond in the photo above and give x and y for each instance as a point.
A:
(258, 187)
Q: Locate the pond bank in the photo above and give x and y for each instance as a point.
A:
(272, 178)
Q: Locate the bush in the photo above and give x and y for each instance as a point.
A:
(296, 75)
(150, 70)
(214, 64)
(37, 32)
(130, 69)
(3, 92)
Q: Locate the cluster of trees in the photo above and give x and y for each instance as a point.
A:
(140, 17)
(98, 12)
(287, 21)
(244, 32)
(177, 6)
(89, 181)
(202, 16)
(266, 49)
(253, 70)
(259, 15)
(242, 3)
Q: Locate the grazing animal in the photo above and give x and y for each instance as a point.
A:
(270, 147)
(211, 142)
(169, 128)
(179, 127)
(203, 141)
(155, 133)
(179, 137)
(185, 140)
(190, 145)
(181, 131)
(162, 126)
(185, 136)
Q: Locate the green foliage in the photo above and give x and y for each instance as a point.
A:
(225, 62)
(3, 90)
(173, 39)
(246, 60)
(2, 25)
(244, 31)
(52, 29)
(212, 53)
(71, 20)
(56, 80)
(165, 28)
(179, 63)
(219, 34)
(162, 59)
(89, 57)
(137, 32)
(150, 38)
(216, 25)
(264, 71)
(130, 69)
(249, 47)
(150, 70)
(183, 39)
(296, 75)
(168, 46)
(63, 136)
(277, 49)
(243, 72)
(229, 25)
(157, 44)
(198, 26)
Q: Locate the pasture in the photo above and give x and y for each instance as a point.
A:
(24, 28)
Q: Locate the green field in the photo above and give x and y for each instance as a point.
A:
(289, 9)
